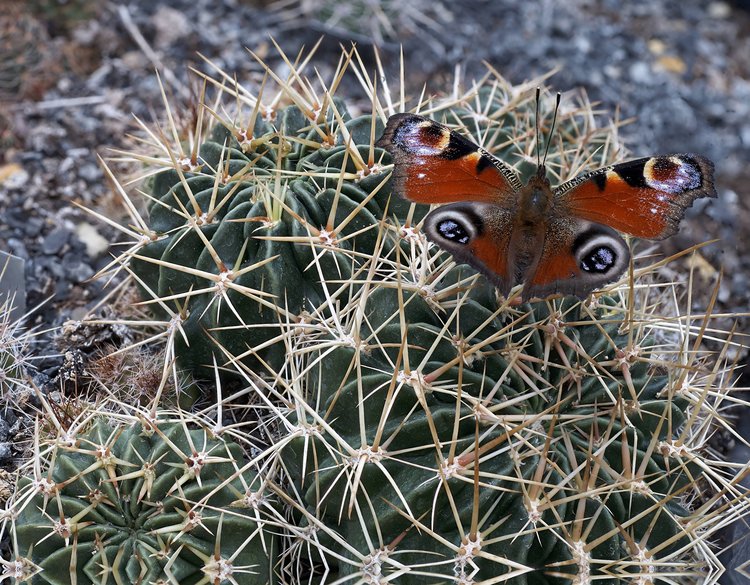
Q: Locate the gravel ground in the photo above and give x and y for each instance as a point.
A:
(682, 69)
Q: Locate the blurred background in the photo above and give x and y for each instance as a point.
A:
(74, 73)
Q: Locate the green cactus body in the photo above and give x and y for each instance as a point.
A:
(263, 209)
(130, 504)
(584, 472)
(419, 430)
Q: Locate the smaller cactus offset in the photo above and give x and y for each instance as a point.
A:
(142, 502)
(14, 356)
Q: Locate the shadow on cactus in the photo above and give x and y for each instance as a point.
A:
(160, 502)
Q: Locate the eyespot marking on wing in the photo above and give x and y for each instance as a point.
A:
(672, 174)
(452, 230)
(599, 260)
(454, 226)
(595, 252)
(421, 137)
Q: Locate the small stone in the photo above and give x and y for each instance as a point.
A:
(33, 226)
(90, 172)
(18, 248)
(170, 26)
(657, 46)
(612, 71)
(6, 452)
(719, 10)
(55, 240)
(95, 243)
(672, 63)
(640, 72)
(78, 272)
(11, 173)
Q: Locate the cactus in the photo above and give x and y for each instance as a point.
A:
(535, 444)
(15, 352)
(261, 225)
(416, 428)
(141, 502)
(263, 228)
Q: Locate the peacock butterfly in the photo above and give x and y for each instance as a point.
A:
(553, 241)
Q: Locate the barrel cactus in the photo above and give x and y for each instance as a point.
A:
(15, 353)
(416, 428)
(536, 445)
(141, 502)
(266, 228)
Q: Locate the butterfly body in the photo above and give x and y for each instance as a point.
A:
(551, 240)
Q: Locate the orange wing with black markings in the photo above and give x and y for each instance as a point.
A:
(577, 256)
(552, 241)
(433, 164)
(645, 198)
(478, 234)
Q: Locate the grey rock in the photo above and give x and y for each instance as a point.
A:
(33, 226)
(55, 240)
(18, 248)
(78, 271)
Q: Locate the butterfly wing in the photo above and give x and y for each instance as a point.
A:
(646, 198)
(433, 164)
(577, 257)
(478, 234)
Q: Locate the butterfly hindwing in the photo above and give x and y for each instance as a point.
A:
(433, 164)
(646, 197)
(478, 234)
(577, 257)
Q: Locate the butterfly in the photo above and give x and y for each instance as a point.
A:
(561, 240)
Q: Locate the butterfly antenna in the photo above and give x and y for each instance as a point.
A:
(536, 123)
(552, 129)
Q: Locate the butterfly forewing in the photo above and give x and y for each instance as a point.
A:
(645, 198)
(433, 164)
